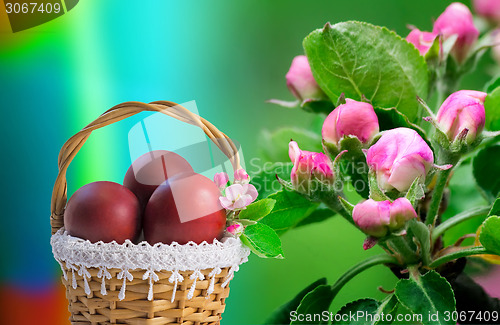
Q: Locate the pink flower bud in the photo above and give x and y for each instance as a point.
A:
(422, 40)
(300, 80)
(309, 166)
(489, 9)
(235, 229)
(241, 176)
(457, 20)
(376, 218)
(221, 179)
(373, 217)
(462, 110)
(398, 158)
(352, 118)
(401, 211)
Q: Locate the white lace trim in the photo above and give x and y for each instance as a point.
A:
(79, 255)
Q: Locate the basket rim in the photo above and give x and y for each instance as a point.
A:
(128, 243)
(76, 255)
(77, 252)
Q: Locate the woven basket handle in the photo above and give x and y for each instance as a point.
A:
(118, 113)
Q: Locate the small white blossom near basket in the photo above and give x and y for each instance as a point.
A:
(111, 283)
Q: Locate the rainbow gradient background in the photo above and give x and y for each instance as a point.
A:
(229, 56)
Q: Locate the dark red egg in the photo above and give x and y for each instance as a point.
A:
(185, 208)
(150, 170)
(104, 211)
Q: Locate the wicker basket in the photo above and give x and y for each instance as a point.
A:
(170, 305)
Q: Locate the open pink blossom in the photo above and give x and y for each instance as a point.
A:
(462, 113)
(398, 158)
(377, 218)
(221, 179)
(352, 118)
(238, 196)
(309, 166)
(300, 80)
(241, 176)
(422, 40)
(457, 20)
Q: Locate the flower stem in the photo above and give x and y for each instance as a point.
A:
(461, 253)
(442, 179)
(360, 267)
(332, 201)
(461, 217)
(401, 246)
(437, 196)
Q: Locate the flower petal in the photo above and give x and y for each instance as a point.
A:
(252, 192)
(226, 203)
(233, 191)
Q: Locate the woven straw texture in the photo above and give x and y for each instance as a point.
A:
(137, 309)
(96, 308)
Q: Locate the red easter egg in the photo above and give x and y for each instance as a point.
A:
(150, 170)
(185, 208)
(104, 211)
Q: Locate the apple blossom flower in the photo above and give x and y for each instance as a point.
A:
(241, 176)
(238, 196)
(377, 218)
(398, 158)
(462, 113)
(352, 118)
(300, 81)
(221, 179)
(309, 166)
(489, 9)
(457, 20)
(235, 229)
(422, 40)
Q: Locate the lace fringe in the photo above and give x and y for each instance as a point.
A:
(79, 255)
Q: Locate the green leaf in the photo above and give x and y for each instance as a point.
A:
(257, 210)
(247, 222)
(427, 295)
(262, 240)
(317, 215)
(315, 302)
(421, 233)
(433, 57)
(486, 171)
(282, 314)
(495, 208)
(353, 163)
(290, 209)
(265, 180)
(492, 84)
(391, 118)
(359, 59)
(274, 145)
(490, 234)
(317, 106)
(373, 311)
(492, 110)
(376, 192)
(416, 191)
(348, 206)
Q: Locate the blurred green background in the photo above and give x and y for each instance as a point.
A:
(229, 56)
